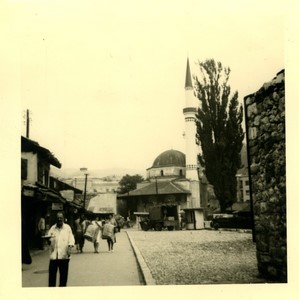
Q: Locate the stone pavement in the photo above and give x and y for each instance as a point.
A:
(119, 268)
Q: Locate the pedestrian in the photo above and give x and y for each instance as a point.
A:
(109, 235)
(120, 222)
(97, 234)
(41, 229)
(84, 225)
(61, 241)
(112, 220)
(78, 234)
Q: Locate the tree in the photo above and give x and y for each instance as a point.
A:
(129, 183)
(219, 130)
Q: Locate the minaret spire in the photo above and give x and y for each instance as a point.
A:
(188, 81)
(189, 112)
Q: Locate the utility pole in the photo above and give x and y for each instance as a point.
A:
(84, 170)
(27, 123)
(156, 188)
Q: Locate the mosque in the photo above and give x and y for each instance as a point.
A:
(175, 183)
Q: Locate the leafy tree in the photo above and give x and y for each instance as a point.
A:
(219, 130)
(129, 183)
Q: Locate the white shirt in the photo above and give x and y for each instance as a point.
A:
(61, 239)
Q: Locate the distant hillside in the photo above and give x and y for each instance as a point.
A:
(118, 172)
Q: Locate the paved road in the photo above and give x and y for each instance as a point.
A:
(90, 269)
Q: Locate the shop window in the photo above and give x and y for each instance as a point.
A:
(24, 168)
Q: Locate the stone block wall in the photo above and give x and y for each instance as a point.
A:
(265, 126)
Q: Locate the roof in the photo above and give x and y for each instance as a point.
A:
(161, 188)
(28, 145)
(188, 81)
(170, 158)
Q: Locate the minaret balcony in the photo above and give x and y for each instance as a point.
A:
(190, 110)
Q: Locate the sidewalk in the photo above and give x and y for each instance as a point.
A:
(119, 268)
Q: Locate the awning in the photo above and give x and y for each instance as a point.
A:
(40, 193)
(141, 213)
(193, 208)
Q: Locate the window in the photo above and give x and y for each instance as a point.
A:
(247, 182)
(162, 173)
(181, 172)
(46, 178)
(40, 173)
(43, 174)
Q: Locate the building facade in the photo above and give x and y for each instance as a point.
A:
(42, 196)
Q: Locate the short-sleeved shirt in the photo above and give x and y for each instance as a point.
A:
(62, 238)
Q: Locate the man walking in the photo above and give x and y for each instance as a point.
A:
(61, 242)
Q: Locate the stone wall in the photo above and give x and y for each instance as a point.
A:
(265, 126)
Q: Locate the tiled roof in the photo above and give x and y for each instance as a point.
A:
(162, 188)
(28, 145)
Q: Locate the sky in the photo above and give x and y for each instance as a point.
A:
(104, 81)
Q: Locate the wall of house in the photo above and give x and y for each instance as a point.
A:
(31, 167)
(265, 119)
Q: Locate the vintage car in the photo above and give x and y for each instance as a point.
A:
(237, 219)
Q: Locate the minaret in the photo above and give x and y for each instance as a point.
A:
(190, 111)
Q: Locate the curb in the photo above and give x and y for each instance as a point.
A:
(146, 273)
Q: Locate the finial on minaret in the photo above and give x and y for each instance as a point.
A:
(188, 82)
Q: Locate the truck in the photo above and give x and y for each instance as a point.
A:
(159, 218)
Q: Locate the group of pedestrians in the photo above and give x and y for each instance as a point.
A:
(93, 231)
(61, 240)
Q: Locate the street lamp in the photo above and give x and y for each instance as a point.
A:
(84, 170)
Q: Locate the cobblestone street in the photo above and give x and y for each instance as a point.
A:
(198, 257)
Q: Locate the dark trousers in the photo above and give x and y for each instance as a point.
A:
(110, 244)
(63, 266)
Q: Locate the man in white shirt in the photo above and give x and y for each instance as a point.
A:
(61, 242)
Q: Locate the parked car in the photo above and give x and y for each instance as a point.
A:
(238, 219)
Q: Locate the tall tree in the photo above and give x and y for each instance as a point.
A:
(219, 130)
(129, 183)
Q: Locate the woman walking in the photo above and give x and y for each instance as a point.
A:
(97, 234)
(109, 235)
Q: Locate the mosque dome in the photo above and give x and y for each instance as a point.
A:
(170, 158)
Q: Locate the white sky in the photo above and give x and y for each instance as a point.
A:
(104, 81)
